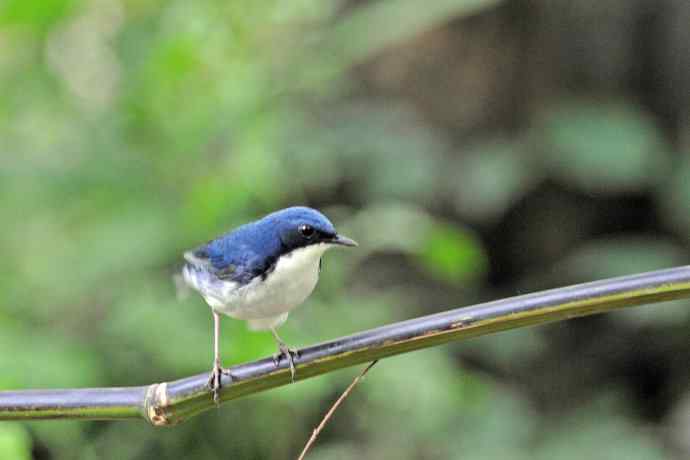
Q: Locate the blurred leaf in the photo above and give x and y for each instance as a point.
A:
(503, 425)
(384, 151)
(15, 442)
(47, 360)
(449, 252)
(428, 396)
(302, 11)
(436, 410)
(391, 227)
(35, 13)
(209, 203)
(380, 24)
(603, 147)
(63, 261)
(674, 198)
(606, 258)
(336, 451)
(600, 433)
(452, 254)
(489, 178)
(61, 438)
(679, 424)
(510, 349)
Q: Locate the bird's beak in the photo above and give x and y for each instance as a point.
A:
(343, 241)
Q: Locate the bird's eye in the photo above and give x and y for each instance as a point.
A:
(306, 231)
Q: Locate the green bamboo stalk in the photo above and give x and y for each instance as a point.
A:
(169, 403)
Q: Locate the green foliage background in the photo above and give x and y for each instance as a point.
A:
(476, 149)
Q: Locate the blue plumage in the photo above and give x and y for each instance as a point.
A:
(252, 249)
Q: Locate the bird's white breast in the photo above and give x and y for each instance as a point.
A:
(288, 285)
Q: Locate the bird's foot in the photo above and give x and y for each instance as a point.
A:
(289, 354)
(214, 380)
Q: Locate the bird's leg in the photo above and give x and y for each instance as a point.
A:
(217, 370)
(286, 351)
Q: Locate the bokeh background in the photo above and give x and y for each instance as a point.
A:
(476, 149)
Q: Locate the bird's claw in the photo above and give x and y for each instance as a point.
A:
(214, 380)
(289, 354)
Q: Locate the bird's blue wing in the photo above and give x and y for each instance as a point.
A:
(247, 252)
(240, 263)
(213, 261)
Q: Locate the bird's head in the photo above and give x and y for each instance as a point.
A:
(300, 226)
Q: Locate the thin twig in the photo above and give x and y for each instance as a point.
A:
(168, 403)
(332, 410)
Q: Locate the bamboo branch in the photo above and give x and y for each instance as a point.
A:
(173, 402)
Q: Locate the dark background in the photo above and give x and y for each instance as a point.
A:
(476, 149)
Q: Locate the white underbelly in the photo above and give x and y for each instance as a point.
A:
(289, 284)
(272, 297)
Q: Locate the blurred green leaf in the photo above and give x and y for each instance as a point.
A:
(362, 141)
(45, 360)
(674, 197)
(510, 349)
(609, 257)
(449, 252)
(436, 401)
(373, 227)
(490, 177)
(600, 434)
(452, 254)
(603, 147)
(374, 27)
(15, 442)
(35, 13)
(679, 425)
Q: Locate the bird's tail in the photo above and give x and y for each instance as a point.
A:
(182, 289)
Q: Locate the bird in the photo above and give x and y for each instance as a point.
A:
(259, 272)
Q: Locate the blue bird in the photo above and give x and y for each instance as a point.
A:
(261, 271)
